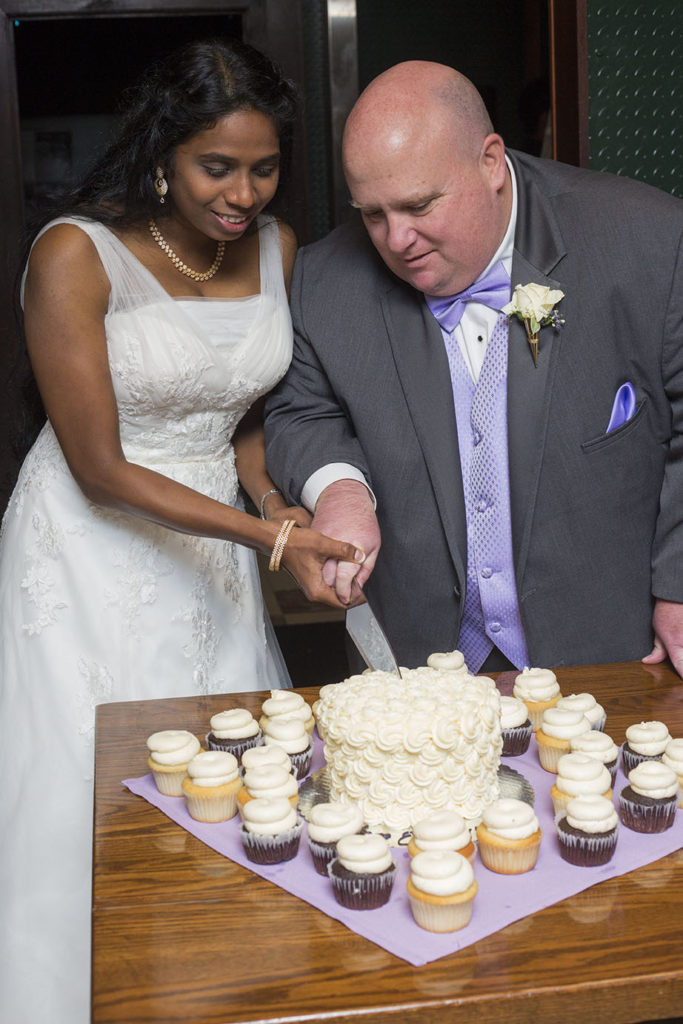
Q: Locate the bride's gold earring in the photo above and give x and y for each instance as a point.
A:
(160, 184)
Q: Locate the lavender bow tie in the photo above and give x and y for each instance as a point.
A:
(493, 290)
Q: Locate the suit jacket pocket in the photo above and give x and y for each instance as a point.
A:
(614, 436)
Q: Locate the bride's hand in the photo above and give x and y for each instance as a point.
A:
(305, 553)
(301, 516)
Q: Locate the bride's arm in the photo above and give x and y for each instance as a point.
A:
(66, 300)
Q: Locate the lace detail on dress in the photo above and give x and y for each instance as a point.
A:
(39, 581)
(43, 464)
(97, 688)
(139, 569)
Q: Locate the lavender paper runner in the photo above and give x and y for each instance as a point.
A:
(501, 899)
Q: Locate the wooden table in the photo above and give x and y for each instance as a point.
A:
(182, 934)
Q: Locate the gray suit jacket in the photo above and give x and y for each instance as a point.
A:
(597, 519)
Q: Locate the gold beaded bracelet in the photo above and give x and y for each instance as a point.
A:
(279, 545)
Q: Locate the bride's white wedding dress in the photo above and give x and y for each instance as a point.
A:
(101, 606)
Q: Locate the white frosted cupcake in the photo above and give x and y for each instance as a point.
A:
(587, 704)
(448, 661)
(443, 830)
(441, 890)
(587, 833)
(599, 746)
(648, 803)
(287, 703)
(579, 775)
(270, 831)
(256, 757)
(645, 741)
(515, 726)
(170, 752)
(509, 837)
(673, 758)
(235, 731)
(327, 823)
(268, 781)
(539, 689)
(211, 786)
(362, 873)
(291, 735)
(558, 727)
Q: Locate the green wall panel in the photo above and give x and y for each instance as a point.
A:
(635, 62)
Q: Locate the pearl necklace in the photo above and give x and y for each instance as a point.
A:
(178, 263)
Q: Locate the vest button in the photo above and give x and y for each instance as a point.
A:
(482, 505)
(487, 573)
(495, 627)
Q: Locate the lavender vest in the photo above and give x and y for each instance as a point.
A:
(491, 613)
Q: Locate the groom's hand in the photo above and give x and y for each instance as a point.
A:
(345, 511)
(668, 628)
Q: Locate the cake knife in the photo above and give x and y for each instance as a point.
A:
(370, 639)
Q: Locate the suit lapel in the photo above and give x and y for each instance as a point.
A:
(538, 249)
(422, 367)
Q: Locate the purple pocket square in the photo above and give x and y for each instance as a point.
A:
(623, 408)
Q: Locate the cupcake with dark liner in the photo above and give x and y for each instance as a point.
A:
(287, 704)
(509, 837)
(645, 741)
(270, 831)
(362, 873)
(558, 726)
(587, 705)
(515, 725)
(291, 735)
(648, 803)
(579, 775)
(599, 746)
(441, 890)
(327, 823)
(268, 781)
(587, 833)
(256, 757)
(442, 830)
(170, 752)
(234, 731)
(211, 786)
(673, 758)
(539, 689)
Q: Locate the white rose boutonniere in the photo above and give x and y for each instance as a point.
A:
(534, 305)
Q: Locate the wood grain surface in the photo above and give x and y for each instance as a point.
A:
(182, 934)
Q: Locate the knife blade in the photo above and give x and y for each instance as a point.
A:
(370, 639)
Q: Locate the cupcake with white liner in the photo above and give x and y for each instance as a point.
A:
(509, 837)
(443, 830)
(287, 703)
(170, 752)
(558, 726)
(599, 746)
(235, 731)
(327, 824)
(648, 803)
(256, 757)
(539, 689)
(268, 781)
(211, 786)
(587, 832)
(579, 775)
(441, 890)
(270, 831)
(673, 758)
(587, 704)
(645, 741)
(515, 726)
(362, 873)
(291, 735)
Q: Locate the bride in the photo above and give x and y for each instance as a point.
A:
(156, 319)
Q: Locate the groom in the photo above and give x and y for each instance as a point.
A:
(528, 514)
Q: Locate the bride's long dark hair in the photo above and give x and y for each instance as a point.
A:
(185, 93)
